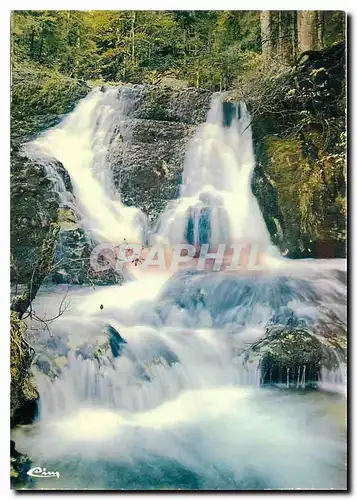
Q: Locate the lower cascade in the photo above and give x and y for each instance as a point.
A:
(196, 380)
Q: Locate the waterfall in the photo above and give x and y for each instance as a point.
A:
(149, 385)
(83, 143)
(216, 202)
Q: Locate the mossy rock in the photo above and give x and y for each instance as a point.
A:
(310, 194)
(295, 356)
(20, 464)
(40, 98)
(284, 158)
(24, 395)
(298, 120)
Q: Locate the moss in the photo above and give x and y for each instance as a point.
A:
(285, 157)
(291, 347)
(24, 394)
(13, 472)
(39, 97)
(310, 187)
(67, 218)
(296, 355)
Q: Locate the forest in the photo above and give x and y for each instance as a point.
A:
(208, 49)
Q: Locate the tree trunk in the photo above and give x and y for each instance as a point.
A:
(133, 38)
(266, 34)
(68, 59)
(41, 43)
(32, 44)
(77, 54)
(320, 29)
(294, 34)
(307, 30)
(286, 27)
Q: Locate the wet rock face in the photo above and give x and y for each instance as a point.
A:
(148, 102)
(152, 138)
(291, 357)
(151, 141)
(34, 206)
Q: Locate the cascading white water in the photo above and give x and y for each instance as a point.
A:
(152, 390)
(216, 189)
(82, 143)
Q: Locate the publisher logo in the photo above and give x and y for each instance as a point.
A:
(43, 473)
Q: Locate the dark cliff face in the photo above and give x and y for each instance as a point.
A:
(299, 121)
(151, 143)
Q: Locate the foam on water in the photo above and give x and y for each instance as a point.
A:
(225, 438)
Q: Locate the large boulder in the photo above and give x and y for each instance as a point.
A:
(296, 356)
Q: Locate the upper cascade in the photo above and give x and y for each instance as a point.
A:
(216, 203)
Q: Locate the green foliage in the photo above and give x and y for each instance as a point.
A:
(39, 95)
(335, 20)
(209, 49)
(206, 48)
(57, 39)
